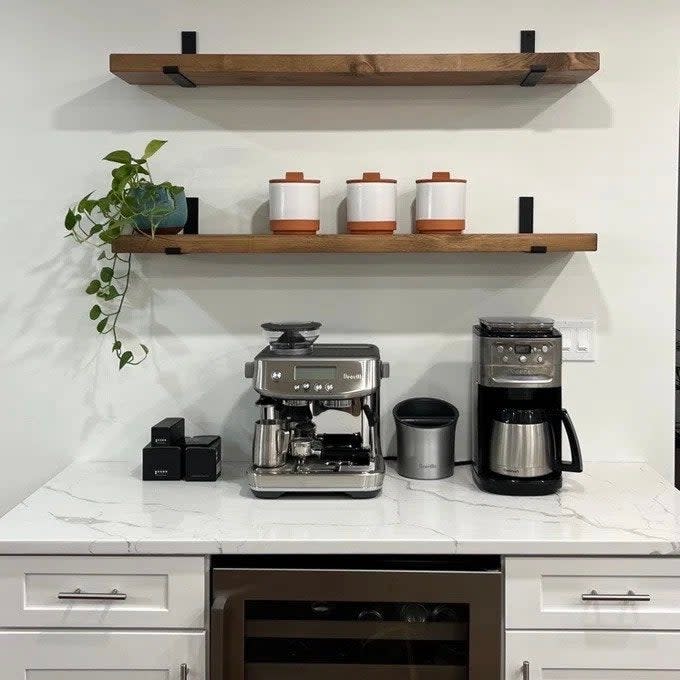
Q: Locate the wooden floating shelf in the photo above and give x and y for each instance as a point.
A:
(350, 243)
(561, 68)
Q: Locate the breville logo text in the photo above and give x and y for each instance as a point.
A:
(351, 376)
(427, 466)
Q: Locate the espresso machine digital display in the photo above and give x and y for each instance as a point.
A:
(315, 372)
(522, 349)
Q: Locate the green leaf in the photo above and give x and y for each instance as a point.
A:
(145, 348)
(111, 293)
(124, 359)
(116, 345)
(87, 206)
(102, 324)
(82, 201)
(95, 312)
(96, 229)
(70, 220)
(93, 287)
(119, 156)
(152, 147)
(106, 274)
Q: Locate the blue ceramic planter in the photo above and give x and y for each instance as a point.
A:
(173, 222)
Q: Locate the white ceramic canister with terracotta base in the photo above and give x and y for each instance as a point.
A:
(294, 204)
(440, 204)
(371, 204)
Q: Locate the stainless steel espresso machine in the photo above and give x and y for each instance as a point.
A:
(297, 381)
(517, 447)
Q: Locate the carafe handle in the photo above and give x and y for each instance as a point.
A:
(576, 462)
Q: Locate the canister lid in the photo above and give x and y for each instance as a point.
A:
(295, 178)
(371, 177)
(440, 176)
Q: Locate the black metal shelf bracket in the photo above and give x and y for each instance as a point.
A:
(526, 214)
(191, 226)
(526, 221)
(189, 41)
(527, 45)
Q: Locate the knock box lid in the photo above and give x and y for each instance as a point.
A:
(295, 177)
(441, 176)
(371, 177)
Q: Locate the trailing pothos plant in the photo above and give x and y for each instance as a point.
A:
(133, 199)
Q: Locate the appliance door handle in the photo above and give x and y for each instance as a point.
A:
(576, 462)
(523, 380)
(78, 594)
(183, 672)
(630, 596)
(526, 671)
(218, 616)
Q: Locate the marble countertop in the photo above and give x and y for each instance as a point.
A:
(102, 507)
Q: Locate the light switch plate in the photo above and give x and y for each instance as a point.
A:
(578, 339)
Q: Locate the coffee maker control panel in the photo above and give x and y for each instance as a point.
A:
(512, 361)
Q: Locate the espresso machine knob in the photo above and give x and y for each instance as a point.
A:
(384, 369)
(249, 369)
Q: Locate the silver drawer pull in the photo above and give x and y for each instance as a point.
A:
(630, 596)
(78, 594)
(526, 672)
(183, 672)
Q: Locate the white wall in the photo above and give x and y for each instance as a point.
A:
(598, 157)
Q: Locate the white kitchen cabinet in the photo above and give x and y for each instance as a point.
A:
(592, 655)
(102, 655)
(102, 592)
(592, 593)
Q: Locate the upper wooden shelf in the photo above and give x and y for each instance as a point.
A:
(561, 68)
(353, 243)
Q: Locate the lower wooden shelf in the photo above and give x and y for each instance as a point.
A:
(351, 243)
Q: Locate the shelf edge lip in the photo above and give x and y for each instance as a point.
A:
(338, 243)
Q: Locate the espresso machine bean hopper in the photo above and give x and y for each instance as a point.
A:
(297, 381)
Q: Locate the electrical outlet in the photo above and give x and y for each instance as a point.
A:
(578, 339)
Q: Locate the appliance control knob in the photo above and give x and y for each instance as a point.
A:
(329, 387)
(276, 375)
(384, 369)
(510, 349)
(539, 359)
(499, 349)
(296, 388)
(318, 387)
(523, 359)
(249, 369)
(305, 386)
(505, 360)
(545, 349)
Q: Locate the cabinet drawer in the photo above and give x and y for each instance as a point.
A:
(592, 655)
(102, 655)
(590, 592)
(78, 592)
